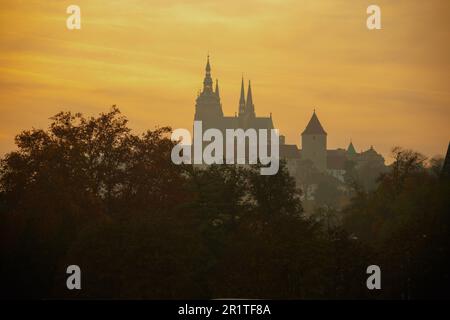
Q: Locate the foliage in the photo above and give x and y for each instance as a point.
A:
(405, 219)
(87, 191)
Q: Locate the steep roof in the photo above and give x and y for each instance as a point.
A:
(314, 126)
(242, 98)
(351, 148)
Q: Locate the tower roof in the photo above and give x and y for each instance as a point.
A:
(249, 107)
(242, 98)
(351, 148)
(314, 126)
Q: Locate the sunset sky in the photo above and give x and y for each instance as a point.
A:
(383, 88)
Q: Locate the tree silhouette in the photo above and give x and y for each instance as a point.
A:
(88, 191)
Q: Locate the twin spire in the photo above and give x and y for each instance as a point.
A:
(246, 106)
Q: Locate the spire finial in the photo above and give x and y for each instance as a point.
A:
(207, 82)
(208, 66)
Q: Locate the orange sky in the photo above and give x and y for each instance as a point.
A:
(382, 88)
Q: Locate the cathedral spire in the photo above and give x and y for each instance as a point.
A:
(207, 104)
(249, 107)
(242, 99)
(217, 89)
(314, 127)
(207, 82)
(208, 66)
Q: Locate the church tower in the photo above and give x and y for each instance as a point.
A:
(242, 99)
(208, 108)
(249, 106)
(246, 107)
(314, 143)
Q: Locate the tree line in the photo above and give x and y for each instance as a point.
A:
(87, 191)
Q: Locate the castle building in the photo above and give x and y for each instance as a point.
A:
(314, 143)
(208, 109)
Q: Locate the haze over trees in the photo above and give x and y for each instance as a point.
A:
(87, 191)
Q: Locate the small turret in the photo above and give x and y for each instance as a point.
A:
(351, 149)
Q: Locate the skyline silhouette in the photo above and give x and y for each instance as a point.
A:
(374, 87)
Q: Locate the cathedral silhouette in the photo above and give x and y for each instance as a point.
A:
(208, 109)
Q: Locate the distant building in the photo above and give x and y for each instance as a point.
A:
(208, 109)
(314, 144)
(334, 162)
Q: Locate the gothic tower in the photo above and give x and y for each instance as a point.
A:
(208, 108)
(314, 143)
(246, 107)
(242, 99)
(249, 106)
